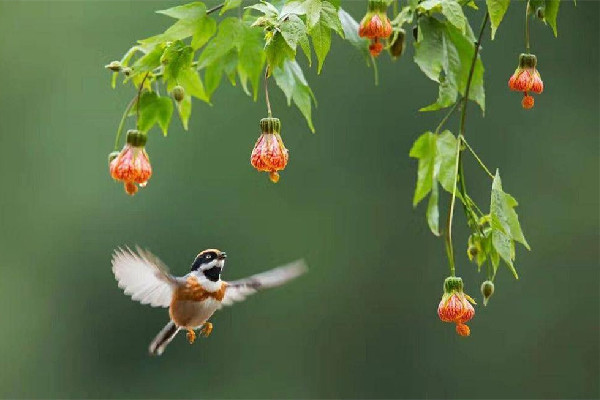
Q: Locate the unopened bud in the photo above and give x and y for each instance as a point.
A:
(126, 71)
(114, 66)
(178, 93)
(397, 46)
(487, 290)
(541, 12)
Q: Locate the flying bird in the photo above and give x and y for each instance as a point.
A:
(193, 298)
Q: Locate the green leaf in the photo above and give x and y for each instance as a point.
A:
(330, 16)
(184, 108)
(177, 57)
(277, 51)
(444, 54)
(230, 5)
(424, 149)
(294, 32)
(228, 37)
(205, 29)
(193, 10)
(150, 60)
(505, 225)
(154, 109)
(446, 146)
(454, 14)
(321, 39)
(433, 213)
(551, 13)
(350, 28)
(496, 9)
(251, 59)
(291, 81)
(192, 84)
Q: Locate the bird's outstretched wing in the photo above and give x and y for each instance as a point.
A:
(143, 276)
(239, 290)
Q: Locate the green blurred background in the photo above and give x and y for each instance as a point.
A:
(363, 322)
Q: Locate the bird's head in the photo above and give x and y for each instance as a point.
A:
(210, 262)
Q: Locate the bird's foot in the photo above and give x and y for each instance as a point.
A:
(191, 336)
(206, 329)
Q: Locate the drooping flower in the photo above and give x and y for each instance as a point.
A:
(269, 153)
(131, 165)
(455, 305)
(375, 23)
(526, 78)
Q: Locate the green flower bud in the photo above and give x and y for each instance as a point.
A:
(270, 125)
(178, 93)
(541, 12)
(126, 71)
(112, 156)
(114, 66)
(487, 290)
(397, 46)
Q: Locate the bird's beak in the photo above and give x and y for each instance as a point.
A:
(222, 256)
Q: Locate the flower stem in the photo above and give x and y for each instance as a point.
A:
(122, 123)
(137, 103)
(527, 26)
(476, 157)
(215, 8)
(443, 121)
(267, 92)
(458, 170)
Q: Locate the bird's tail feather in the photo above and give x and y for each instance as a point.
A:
(163, 338)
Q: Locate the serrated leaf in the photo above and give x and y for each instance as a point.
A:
(205, 29)
(266, 8)
(496, 10)
(180, 30)
(424, 149)
(291, 81)
(228, 36)
(192, 84)
(444, 54)
(184, 108)
(321, 39)
(154, 109)
(551, 13)
(505, 224)
(454, 14)
(230, 5)
(251, 59)
(446, 146)
(294, 32)
(149, 61)
(277, 51)
(330, 16)
(294, 7)
(177, 57)
(350, 28)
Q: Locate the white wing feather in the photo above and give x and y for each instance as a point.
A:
(143, 277)
(239, 290)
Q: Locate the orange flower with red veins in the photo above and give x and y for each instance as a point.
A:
(375, 47)
(526, 79)
(455, 305)
(269, 153)
(132, 165)
(375, 23)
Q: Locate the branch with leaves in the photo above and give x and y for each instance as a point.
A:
(252, 43)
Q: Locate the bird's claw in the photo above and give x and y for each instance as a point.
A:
(206, 329)
(191, 336)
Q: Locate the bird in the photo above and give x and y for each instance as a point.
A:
(193, 298)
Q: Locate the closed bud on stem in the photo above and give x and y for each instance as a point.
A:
(487, 290)
(541, 12)
(397, 46)
(126, 71)
(114, 66)
(178, 93)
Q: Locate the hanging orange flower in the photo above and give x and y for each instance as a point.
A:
(269, 153)
(455, 305)
(132, 165)
(526, 78)
(375, 23)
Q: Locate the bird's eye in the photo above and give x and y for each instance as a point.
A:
(208, 256)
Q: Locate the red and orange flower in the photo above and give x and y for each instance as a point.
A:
(131, 165)
(375, 25)
(455, 305)
(526, 79)
(269, 153)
